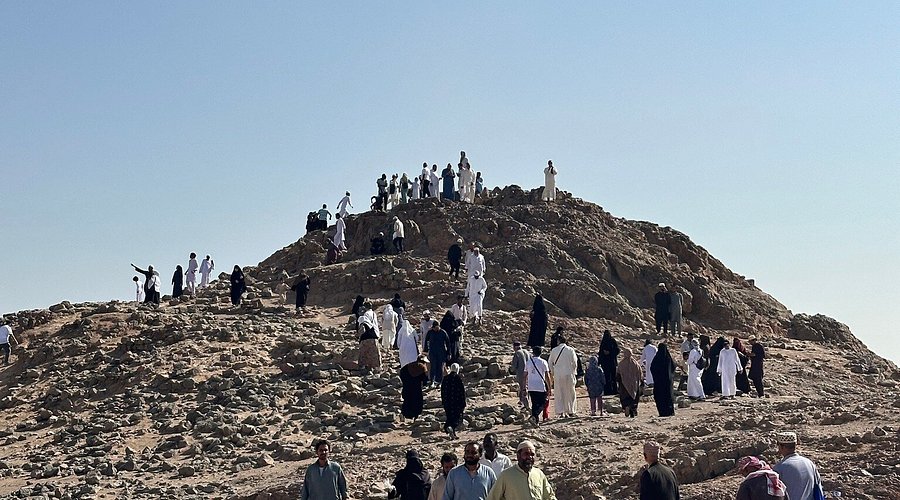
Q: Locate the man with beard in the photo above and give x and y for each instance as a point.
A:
(472, 480)
(448, 462)
(324, 479)
(524, 481)
(498, 462)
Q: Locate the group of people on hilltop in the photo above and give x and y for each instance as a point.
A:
(148, 292)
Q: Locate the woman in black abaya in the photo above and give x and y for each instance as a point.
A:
(609, 360)
(537, 334)
(238, 286)
(663, 370)
(177, 282)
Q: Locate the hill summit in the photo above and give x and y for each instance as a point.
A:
(199, 399)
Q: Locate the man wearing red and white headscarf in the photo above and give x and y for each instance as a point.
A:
(761, 482)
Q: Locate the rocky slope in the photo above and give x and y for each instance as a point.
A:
(197, 399)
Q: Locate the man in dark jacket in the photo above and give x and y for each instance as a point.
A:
(454, 257)
(657, 481)
(663, 302)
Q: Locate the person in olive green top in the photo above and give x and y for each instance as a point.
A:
(657, 481)
(523, 481)
(324, 479)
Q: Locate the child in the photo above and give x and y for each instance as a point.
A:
(139, 290)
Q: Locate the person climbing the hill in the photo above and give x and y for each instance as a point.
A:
(238, 285)
(563, 367)
(382, 185)
(369, 355)
(549, 193)
(6, 333)
(413, 376)
(343, 204)
(301, 288)
(377, 247)
(398, 235)
(663, 300)
(323, 215)
(389, 321)
(663, 368)
(339, 229)
(454, 257)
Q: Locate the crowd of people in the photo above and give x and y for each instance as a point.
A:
(149, 291)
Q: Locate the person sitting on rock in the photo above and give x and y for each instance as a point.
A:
(377, 247)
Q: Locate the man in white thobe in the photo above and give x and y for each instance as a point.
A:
(563, 366)
(729, 365)
(434, 179)
(343, 204)
(694, 382)
(424, 326)
(191, 274)
(474, 262)
(475, 291)
(339, 228)
(389, 325)
(549, 193)
(206, 267)
(647, 356)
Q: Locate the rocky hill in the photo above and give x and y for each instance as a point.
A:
(197, 399)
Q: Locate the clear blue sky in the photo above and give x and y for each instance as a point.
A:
(139, 132)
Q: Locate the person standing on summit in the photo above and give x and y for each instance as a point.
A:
(343, 204)
(447, 175)
(663, 302)
(151, 284)
(206, 267)
(191, 275)
(398, 235)
(549, 193)
(434, 179)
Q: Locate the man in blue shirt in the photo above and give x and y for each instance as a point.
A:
(797, 472)
(324, 479)
(472, 480)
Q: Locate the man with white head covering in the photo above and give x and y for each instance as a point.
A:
(434, 178)
(206, 267)
(389, 319)
(474, 262)
(657, 481)
(191, 274)
(369, 318)
(475, 291)
(549, 193)
(523, 481)
(343, 204)
(799, 474)
(339, 228)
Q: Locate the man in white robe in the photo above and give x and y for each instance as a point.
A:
(407, 344)
(339, 228)
(389, 325)
(343, 204)
(475, 262)
(563, 367)
(549, 193)
(191, 274)
(434, 179)
(729, 365)
(475, 292)
(415, 189)
(694, 382)
(647, 356)
(206, 267)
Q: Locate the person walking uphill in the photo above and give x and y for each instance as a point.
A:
(413, 377)
(453, 399)
(564, 366)
(663, 302)
(324, 479)
(537, 333)
(301, 288)
(238, 285)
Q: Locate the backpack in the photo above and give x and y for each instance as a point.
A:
(702, 363)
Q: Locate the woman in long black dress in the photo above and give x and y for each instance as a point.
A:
(450, 325)
(238, 286)
(609, 360)
(663, 370)
(453, 399)
(537, 334)
(301, 287)
(741, 380)
(177, 282)
(710, 379)
(357, 309)
(413, 376)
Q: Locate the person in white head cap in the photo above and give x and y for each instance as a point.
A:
(523, 481)
(474, 261)
(658, 482)
(476, 289)
(797, 472)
